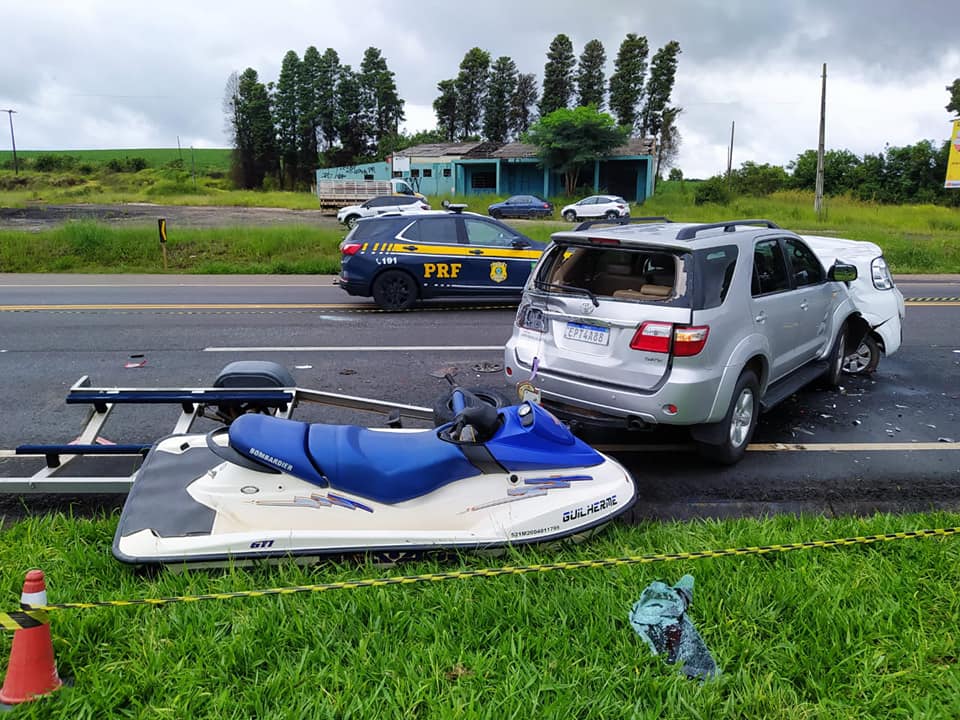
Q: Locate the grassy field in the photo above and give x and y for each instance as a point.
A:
(859, 632)
(206, 159)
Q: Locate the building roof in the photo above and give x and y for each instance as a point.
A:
(633, 146)
(438, 149)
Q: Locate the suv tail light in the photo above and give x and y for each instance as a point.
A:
(604, 241)
(547, 205)
(349, 248)
(531, 318)
(656, 337)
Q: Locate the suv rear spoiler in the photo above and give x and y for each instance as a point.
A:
(622, 221)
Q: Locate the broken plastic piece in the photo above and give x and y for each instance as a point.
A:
(136, 361)
(660, 619)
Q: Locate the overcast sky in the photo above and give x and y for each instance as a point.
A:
(99, 74)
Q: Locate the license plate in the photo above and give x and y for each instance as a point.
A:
(587, 333)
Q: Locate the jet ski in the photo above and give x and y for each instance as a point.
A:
(267, 487)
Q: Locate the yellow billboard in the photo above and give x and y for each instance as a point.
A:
(953, 162)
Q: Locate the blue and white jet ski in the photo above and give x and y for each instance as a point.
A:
(269, 487)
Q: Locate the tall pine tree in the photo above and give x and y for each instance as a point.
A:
(591, 85)
(503, 84)
(247, 105)
(355, 119)
(471, 88)
(558, 75)
(445, 108)
(626, 83)
(522, 104)
(663, 73)
(309, 111)
(380, 87)
(328, 74)
(286, 116)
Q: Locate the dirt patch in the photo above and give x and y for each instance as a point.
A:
(36, 218)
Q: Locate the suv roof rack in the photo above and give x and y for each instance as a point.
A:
(622, 221)
(690, 232)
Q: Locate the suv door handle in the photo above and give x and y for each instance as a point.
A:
(476, 252)
(411, 248)
(761, 317)
(804, 305)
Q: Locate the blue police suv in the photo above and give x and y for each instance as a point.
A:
(400, 259)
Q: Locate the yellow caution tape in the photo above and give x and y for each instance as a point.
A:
(34, 615)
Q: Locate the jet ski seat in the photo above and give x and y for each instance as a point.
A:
(384, 466)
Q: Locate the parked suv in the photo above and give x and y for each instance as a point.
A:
(597, 206)
(381, 205)
(638, 325)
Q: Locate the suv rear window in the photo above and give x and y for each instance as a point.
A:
(646, 275)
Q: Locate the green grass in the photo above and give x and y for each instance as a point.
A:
(206, 159)
(858, 632)
(93, 247)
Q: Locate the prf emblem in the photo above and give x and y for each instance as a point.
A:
(498, 271)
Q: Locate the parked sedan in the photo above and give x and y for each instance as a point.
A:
(379, 205)
(521, 206)
(597, 206)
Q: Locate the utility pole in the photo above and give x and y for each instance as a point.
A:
(818, 192)
(16, 167)
(733, 124)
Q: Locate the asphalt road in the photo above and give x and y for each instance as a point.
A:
(890, 442)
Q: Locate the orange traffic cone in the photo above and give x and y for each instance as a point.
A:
(31, 671)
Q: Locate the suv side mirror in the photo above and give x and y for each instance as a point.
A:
(842, 272)
(520, 243)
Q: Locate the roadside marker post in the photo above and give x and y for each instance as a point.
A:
(162, 229)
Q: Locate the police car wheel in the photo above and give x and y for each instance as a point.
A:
(394, 290)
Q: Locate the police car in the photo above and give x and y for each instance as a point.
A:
(400, 259)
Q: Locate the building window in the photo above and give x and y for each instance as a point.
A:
(446, 172)
(415, 172)
(397, 173)
(368, 176)
(483, 180)
(427, 172)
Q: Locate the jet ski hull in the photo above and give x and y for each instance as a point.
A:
(187, 505)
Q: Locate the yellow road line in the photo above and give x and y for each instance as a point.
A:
(198, 306)
(795, 447)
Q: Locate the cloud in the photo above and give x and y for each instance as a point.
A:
(96, 73)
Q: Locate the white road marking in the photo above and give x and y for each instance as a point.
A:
(360, 348)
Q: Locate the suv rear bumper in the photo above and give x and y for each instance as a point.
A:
(598, 403)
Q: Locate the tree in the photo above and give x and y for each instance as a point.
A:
(445, 108)
(310, 70)
(591, 86)
(663, 73)
(355, 121)
(558, 75)
(668, 146)
(286, 115)
(325, 88)
(471, 89)
(521, 113)
(626, 83)
(380, 89)
(500, 91)
(567, 140)
(954, 105)
(250, 124)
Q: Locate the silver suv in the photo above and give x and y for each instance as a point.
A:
(638, 325)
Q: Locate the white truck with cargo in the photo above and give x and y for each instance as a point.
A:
(334, 194)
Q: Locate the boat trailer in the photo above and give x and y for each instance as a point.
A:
(241, 387)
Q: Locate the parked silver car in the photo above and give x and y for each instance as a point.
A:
(638, 325)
